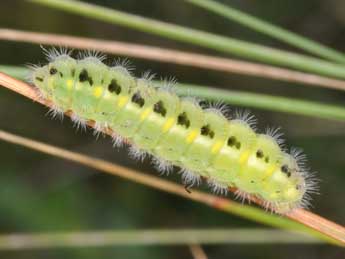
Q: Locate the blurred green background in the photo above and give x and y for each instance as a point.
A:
(43, 193)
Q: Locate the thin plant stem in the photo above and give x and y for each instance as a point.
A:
(303, 220)
(312, 223)
(144, 237)
(266, 102)
(270, 29)
(254, 100)
(200, 38)
(173, 56)
(15, 71)
(197, 251)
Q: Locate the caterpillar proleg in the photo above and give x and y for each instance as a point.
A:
(176, 131)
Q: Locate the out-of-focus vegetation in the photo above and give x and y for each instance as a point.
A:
(42, 193)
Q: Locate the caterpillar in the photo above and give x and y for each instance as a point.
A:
(176, 131)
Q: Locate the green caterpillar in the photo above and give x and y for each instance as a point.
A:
(176, 131)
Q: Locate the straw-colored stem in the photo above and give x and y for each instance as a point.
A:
(200, 38)
(270, 29)
(144, 237)
(173, 56)
(317, 225)
(197, 251)
(152, 181)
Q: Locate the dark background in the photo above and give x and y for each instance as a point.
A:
(43, 193)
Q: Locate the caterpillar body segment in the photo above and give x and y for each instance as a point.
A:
(175, 131)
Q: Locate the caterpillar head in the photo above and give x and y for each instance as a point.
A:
(39, 78)
(61, 69)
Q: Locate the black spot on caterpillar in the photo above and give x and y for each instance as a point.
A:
(159, 108)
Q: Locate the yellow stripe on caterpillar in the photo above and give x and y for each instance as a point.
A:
(145, 113)
(97, 91)
(168, 124)
(244, 157)
(270, 170)
(191, 136)
(122, 101)
(217, 146)
(69, 84)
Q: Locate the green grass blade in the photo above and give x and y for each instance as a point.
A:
(266, 102)
(15, 71)
(254, 100)
(270, 29)
(103, 238)
(200, 38)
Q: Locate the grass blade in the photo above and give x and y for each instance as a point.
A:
(144, 237)
(255, 100)
(200, 38)
(270, 29)
(173, 56)
(266, 102)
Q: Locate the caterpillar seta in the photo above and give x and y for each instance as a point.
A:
(176, 131)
